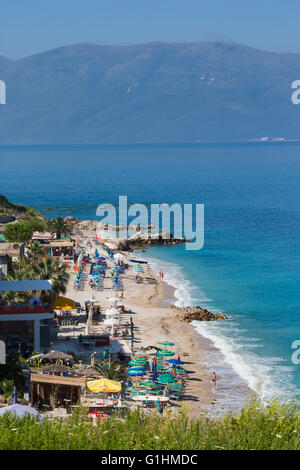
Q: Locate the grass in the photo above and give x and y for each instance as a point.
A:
(274, 427)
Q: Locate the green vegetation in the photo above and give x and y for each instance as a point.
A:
(257, 427)
(111, 370)
(11, 374)
(30, 267)
(19, 211)
(59, 226)
(8, 207)
(22, 231)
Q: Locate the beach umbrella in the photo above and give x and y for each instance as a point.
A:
(134, 363)
(62, 302)
(174, 361)
(137, 364)
(137, 368)
(148, 384)
(111, 321)
(139, 356)
(112, 311)
(166, 343)
(104, 385)
(19, 410)
(166, 379)
(154, 376)
(136, 372)
(165, 352)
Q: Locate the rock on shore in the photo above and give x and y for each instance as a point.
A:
(197, 313)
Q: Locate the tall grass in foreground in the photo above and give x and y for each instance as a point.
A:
(276, 426)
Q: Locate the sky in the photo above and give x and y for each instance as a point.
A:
(31, 26)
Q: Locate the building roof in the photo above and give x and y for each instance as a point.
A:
(61, 243)
(21, 286)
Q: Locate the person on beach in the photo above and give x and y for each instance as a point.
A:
(214, 380)
(186, 316)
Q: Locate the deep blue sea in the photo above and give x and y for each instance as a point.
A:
(249, 267)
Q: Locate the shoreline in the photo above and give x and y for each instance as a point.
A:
(154, 321)
(232, 389)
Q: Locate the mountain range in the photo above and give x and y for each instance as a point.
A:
(154, 92)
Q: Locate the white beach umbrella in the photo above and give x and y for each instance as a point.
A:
(112, 321)
(112, 312)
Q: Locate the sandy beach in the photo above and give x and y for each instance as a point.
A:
(153, 320)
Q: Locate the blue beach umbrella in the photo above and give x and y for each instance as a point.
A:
(136, 372)
(174, 361)
(19, 410)
(137, 368)
(154, 377)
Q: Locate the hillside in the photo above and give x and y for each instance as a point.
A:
(17, 211)
(155, 92)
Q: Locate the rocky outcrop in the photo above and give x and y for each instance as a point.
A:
(142, 240)
(197, 313)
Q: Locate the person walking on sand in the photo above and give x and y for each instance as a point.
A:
(214, 381)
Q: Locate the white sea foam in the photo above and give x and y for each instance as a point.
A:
(234, 359)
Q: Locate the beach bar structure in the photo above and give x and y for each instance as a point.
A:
(21, 319)
(62, 247)
(55, 390)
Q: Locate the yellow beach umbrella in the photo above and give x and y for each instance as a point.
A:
(63, 303)
(104, 385)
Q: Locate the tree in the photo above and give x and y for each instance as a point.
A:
(59, 226)
(48, 268)
(22, 231)
(34, 251)
(112, 370)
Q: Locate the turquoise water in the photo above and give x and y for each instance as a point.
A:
(249, 266)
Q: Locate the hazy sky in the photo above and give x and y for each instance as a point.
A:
(32, 26)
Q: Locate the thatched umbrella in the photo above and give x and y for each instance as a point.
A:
(55, 355)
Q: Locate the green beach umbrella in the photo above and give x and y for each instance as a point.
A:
(165, 353)
(148, 384)
(166, 343)
(166, 379)
(138, 363)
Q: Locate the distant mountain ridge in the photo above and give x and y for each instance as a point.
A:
(155, 92)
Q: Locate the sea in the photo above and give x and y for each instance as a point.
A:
(249, 266)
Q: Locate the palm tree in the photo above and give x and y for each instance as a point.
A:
(19, 273)
(48, 268)
(59, 226)
(34, 251)
(111, 370)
